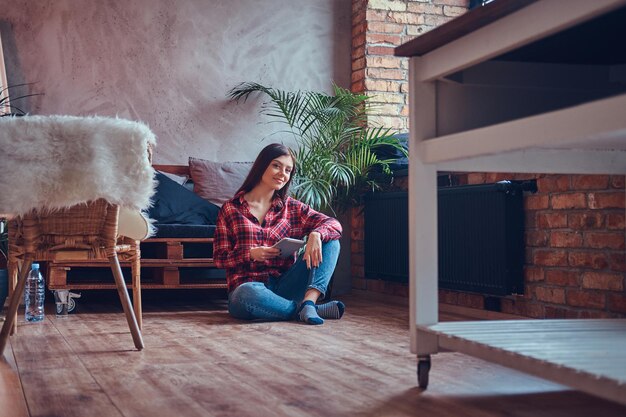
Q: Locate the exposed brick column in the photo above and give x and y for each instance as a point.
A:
(359, 32)
(378, 26)
(359, 28)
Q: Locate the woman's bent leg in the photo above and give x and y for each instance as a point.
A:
(253, 300)
(294, 283)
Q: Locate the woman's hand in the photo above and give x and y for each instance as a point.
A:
(313, 250)
(263, 253)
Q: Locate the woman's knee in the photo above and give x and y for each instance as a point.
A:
(332, 245)
(247, 291)
(242, 298)
(330, 250)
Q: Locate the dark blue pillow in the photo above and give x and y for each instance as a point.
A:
(174, 204)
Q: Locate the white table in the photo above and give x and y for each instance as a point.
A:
(551, 107)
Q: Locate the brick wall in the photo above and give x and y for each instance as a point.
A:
(575, 233)
(575, 240)
(378, 26)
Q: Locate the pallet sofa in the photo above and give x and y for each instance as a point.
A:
(179, 256)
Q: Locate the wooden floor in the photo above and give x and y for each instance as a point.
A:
(200, 362)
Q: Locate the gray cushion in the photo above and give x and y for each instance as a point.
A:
(217, 182)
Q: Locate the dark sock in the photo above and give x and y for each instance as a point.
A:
(331, 310)
(308, 313)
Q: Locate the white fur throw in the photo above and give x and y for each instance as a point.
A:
(52, 162)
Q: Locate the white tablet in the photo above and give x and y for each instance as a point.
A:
(288, 246)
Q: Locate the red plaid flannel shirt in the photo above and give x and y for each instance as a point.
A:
(238, 231)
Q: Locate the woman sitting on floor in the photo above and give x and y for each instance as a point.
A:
(262, 284)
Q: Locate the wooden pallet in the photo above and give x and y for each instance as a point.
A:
(165, 263)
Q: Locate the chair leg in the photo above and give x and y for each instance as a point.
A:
(126, 304)
(13, 268)
(136, 273)
(14, 303)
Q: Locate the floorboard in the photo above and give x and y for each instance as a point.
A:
(200, 362)
(11, 395)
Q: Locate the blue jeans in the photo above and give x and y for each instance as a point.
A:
(280, 297)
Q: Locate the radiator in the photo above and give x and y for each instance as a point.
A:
(481, 238)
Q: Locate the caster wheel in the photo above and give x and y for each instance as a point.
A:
(71, 304)
(423, 368)
(64, 298)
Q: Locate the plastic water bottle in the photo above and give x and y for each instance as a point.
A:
(34, 294)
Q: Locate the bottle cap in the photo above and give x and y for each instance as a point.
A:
(34, 266)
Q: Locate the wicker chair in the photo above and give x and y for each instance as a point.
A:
(80, 233)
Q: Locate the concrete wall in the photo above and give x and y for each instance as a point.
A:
(170, 63)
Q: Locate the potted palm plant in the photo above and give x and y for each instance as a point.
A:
(336, 150)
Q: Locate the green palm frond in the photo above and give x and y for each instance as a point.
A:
(316, 192)
(292, 108)
(336, 151)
